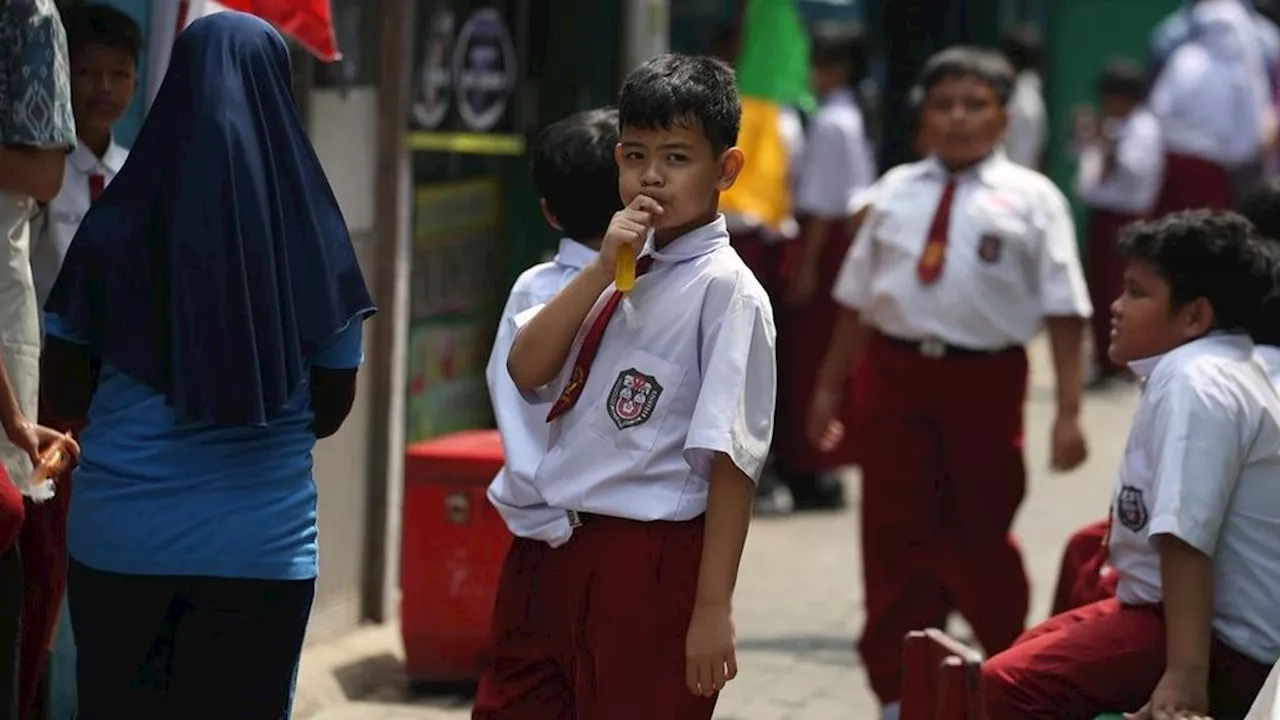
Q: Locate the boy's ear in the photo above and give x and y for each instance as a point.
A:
(617, 154)
(549, 216)
(731, 163)
(1197, 318)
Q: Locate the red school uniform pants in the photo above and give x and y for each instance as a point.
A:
(595, 629)
(1106, 278)
(1191, 183)
(942, 478)
(1100, 658)
(804, 333)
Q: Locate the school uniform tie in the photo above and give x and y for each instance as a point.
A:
(934, 257)
(590, 345)
(97, 183)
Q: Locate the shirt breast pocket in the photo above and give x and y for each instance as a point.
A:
(641, 390)
(1002, 238)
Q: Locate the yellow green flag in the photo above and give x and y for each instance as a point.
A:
(773, 71)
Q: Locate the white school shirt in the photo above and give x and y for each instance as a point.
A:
(524, 427)
(1011, 257)
(56, 225)
(685, 370)
(838, 160)
(1202, 463)
(1270, 355)
(1267, 705)
(1137, 175)
(1028, 121)
(1212, 95)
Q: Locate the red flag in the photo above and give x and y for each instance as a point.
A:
(310, 22)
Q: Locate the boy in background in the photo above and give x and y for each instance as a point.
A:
(1191, 630)
(660, 402)
(577, 179)
(104, 46)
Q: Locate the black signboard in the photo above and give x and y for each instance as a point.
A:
(468, 66)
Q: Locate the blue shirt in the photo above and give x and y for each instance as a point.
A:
(157, 496)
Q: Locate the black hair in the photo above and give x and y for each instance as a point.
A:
(1021, 44)
(987, 66)
(97, 24)
(576, 174)
(1261, 206)
(1124, 78)
(834, 43)
(686, 91)
(1216, 255)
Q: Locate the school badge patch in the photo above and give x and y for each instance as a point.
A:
(1131, 508)
(633, 398)
(989, 248)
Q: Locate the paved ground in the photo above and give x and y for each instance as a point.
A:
(799, 601)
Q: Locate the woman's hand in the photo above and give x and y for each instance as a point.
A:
(35, 439)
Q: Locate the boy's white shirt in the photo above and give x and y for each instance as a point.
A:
(1202, 463)
(523, 427)
(1267, 704)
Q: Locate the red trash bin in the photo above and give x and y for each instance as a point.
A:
(452, 549)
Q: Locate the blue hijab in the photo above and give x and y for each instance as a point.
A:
(217, 262)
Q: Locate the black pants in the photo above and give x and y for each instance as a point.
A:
(152, 647)
(11, 582)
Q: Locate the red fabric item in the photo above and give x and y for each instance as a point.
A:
(590, 346)
(570, 641)
(310, 22)
(1085, 577)
(13, 512)
(97, 183)
(804, 334)
(43, 543)
(934, 256)
(942, 479)
(1106, 278)
(1104, 658)
(1191, 183)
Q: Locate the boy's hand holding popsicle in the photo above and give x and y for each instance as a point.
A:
(624, 239)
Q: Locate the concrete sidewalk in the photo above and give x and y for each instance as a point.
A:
(799, 603)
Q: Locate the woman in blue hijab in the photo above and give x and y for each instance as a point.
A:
(207, 325)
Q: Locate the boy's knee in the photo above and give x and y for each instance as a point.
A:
(1002, 693)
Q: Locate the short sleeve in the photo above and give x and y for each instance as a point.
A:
(1197, 458)
(735, 407)
(1063, 292)
(548, 393)
(38, 78)
(55, 326)
(346, 351)
(852, 288)
(825, 182)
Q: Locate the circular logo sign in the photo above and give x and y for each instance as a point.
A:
(484, 69)
(435, 81)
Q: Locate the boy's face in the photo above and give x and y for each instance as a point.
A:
(1143, 323)
(103, 80)
(1115, 106)
(677, 168)
(963, 120)
(826, 78)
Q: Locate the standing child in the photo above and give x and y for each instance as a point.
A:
(577, 178)
(1192, 629)
(104, 46)
(838, 164)
(654, 468)
(1119, 177)
(965, 257)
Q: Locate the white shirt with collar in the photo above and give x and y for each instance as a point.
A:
(1011, 260)
(685, 370)
(58, 222)
(1212, 95)
(1202, 463)
(838, 159)
(1137, 174)
(524, 427)
(1028, 121)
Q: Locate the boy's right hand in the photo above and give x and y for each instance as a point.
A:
(629, 228)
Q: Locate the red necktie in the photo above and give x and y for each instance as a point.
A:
(590, 345)
(96, 184)
(929, 269)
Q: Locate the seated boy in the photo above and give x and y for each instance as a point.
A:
(654, 467)
(577, 179)
(1196, 513)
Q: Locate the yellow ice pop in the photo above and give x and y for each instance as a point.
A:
(624, 272)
